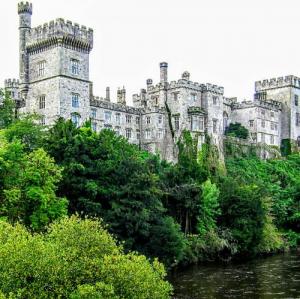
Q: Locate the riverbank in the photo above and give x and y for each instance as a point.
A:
(276, 276)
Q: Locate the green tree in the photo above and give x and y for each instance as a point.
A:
(75, 259)
(7, 109)
(28, 184)
(237, 130)
(209, 208)
(107, 177)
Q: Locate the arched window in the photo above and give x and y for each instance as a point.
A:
(225, 121)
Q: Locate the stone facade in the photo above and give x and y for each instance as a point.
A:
(54, 81)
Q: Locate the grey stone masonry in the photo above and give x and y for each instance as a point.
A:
(54, 82)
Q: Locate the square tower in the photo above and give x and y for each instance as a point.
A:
(56, 71)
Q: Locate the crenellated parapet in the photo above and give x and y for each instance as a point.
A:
(287, 81)
(11, 83)
(102, 103)
(24, 7)
(214, 89)
(267, 104)
(60, 32)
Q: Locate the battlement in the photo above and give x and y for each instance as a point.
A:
(287, 81)
(11, 83)
(24, 7)
(101, 103)
(267, 104)
(64, 32)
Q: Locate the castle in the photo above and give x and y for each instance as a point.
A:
(54, 81)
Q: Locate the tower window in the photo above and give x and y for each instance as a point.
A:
(94, 126)
(43, 120)
(160, 119)
(75, 118)
(263, 124)
(215, 125)
(75, 66)
(75, 100)
(296, 100)
(160, 133)
(297, 119)
(272, 139)
(137, 120)
(148, 120)
(41, 68)
(176, 122)
(251, 123)
(128, 119)
(128, 133)
(107, 117)
(118, 118)
(148, 134)
(193, 97)
(93, 113)
(215, 100)
(42, 102)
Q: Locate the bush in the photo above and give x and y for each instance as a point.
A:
(75, 259)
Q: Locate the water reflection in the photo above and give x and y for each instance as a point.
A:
(273, 277)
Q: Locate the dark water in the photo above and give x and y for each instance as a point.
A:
(273, 277)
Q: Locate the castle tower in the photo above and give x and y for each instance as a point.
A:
(25, 12)
(54, 68)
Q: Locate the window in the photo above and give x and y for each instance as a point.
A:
(118, 118)
(193, 97)
(138, 135)
(94, 126)
(215, 100)
(117, 131)
(176, 122)
(128, 119)
(195, 123)
(215, 125)
(41, 68)
(75, 100)
(263, 112)
(272, 114)
(201, 125)
(160, 119)
(160, 133)
(297, 119)
(272, 139)
(128, 133)
(93, 113)
(42, 102)
(275, 126)
(262, 137)
(225, 121)
(148, 134)
(43, 120)
(175, 96)
(75, 117)
(251, 123)
(263, 123)
(148, 120)
(107, 117)
(75, 66)
(296, 100)
(137, 120)
(298, 141)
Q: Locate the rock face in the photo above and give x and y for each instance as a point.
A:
(54, 81)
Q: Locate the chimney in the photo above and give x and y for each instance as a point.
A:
(163, 72)
(107, 97)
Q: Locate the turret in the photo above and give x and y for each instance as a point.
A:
(25, 12)
(163, 72)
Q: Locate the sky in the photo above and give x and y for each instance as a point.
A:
(230, 43)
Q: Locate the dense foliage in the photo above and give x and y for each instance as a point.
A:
(74, 259)
(237, 130)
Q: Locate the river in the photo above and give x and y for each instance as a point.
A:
(277, 276)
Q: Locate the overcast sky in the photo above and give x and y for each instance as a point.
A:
(230, 43)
